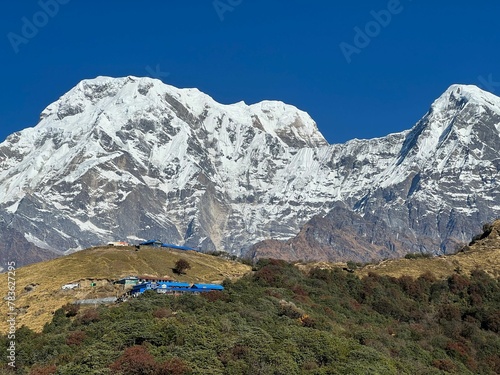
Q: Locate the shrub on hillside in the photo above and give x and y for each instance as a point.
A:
(136, 360)
(43, 370)
(181, 266)
(89, 316)
(76, 338)
(418, 256)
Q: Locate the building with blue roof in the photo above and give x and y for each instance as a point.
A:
(208, 286)
(155, 243)
(173, 284)
(141, 288)
(158, 243)
(176, 247)
(174, 288)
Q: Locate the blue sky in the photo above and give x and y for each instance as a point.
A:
(311, 54)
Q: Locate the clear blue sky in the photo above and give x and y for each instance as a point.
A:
(253, 50)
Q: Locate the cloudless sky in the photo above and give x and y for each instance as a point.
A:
(254, 50)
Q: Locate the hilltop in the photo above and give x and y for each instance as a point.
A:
(39, 285)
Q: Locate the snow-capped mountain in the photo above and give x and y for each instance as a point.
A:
(424, 190)
(134, 158)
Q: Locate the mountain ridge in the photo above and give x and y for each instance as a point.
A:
(135, 158)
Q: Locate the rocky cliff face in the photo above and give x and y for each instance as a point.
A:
(435, 187)
(133, 158)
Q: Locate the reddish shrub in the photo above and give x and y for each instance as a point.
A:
(277, 262)
(444, 365)
(457, 283)
(307, 321)
(240, 351)
(71, 310)
(89, 316)
(273, 293)
(135, 360)
(476, 299)
(174, 366)
(449, 312)
(428, 277)
(457, 349)
(413, 288)
(162, 313)
(43, 370)
(267, 275)
(299, 290)
(76, 338)
(214, 296)
(493, 362)
(355, 305)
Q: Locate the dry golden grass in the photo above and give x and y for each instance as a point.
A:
(440, 267)
(484, 254)
(36, 306)
(487, 260)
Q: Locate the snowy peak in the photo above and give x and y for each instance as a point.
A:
(294, 127)
(151, 123)
(458, 96)
(119, 158)
(133, 96)
(464, 117)
(112, 145)
(460, 109)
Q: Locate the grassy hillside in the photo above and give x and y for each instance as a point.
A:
(38, 286)
(441, 267)
(483, 253)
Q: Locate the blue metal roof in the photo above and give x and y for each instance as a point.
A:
(174, 284)
(208, 286)
(177, 247)
(150, 242)
(183, 289)
(159, 243)
(142, 286)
